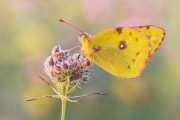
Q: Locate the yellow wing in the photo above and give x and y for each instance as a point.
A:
(122, 52)
(155, 35)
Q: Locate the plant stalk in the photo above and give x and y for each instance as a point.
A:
(63, 111)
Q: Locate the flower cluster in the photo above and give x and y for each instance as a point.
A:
(61, 65)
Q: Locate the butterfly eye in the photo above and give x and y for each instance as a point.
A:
(82, 37)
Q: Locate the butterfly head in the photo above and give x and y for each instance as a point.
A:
(84, 37)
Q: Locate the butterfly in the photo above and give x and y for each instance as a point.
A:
(122, 51)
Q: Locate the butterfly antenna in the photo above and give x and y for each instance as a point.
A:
(60, 20)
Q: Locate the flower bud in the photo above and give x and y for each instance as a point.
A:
(75, 64)
(64, 65)
(88, 63)
(51, 63)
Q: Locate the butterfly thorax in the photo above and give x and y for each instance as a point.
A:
(84, 38)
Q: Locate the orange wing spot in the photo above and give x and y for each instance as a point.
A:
(137, 53)
(133, 60)
(96, 49)
(147, 27)
(130, 33)
(136, 39)
(119, 30)
(122, 45)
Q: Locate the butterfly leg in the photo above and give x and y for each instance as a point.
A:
(78, 46)
(92, 65)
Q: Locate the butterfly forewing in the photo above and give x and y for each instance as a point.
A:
(122, 51)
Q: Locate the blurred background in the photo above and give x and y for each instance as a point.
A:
(29, 29)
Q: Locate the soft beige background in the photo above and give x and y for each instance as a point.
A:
(29, 29)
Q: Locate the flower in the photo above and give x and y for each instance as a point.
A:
(61, 65)
(66, 72)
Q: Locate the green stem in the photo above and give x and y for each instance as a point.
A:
(71, 90)
(64, 90)
(67, 87)
(63, 111)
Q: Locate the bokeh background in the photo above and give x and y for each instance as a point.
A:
(29, 29)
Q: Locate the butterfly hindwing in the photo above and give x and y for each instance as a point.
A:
(155, 35)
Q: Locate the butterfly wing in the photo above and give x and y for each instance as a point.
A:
(122, 52)
(155, 35)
